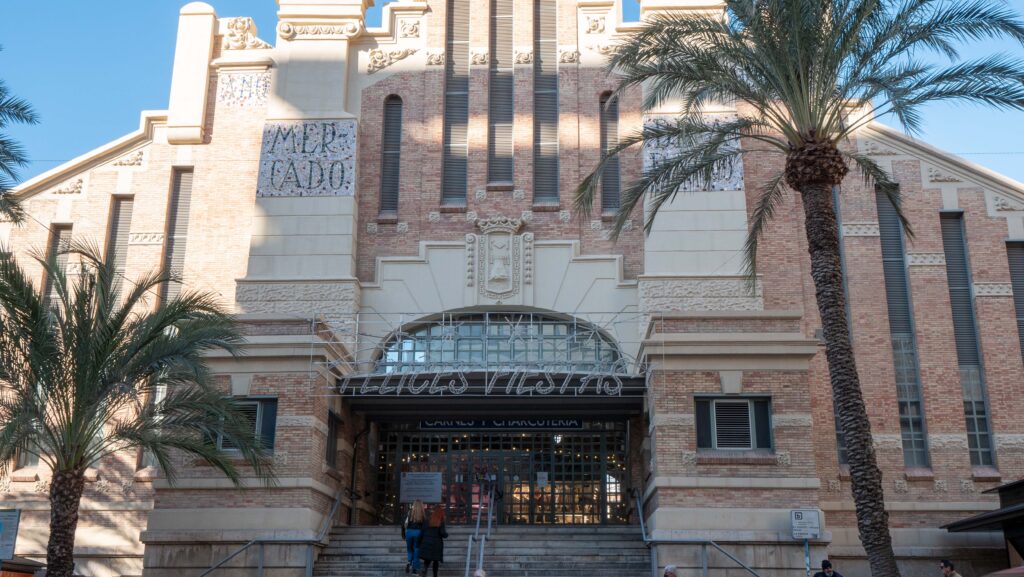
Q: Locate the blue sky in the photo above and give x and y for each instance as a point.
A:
(89, 68)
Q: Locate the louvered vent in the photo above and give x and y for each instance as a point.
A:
(1015, 254)
(732, 425)
(456, 104)
(960, 289)
(610, 180)
(117, 240)
(177, 232)
(500, 98)
(391, 149)
(60, 240)
(251, 413)
(545, 102)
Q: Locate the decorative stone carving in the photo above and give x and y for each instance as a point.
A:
(243, 89)
(137, 238)
(526, 216)
(783, 459)
(628, 225)
(372, 228)
(700, 294)
(605, 49)
(728, 176)
(470, 259)
(1003, 204)
(926, 259)
(596, 225)
(967, 486)
(938, 175)
(241, 35)
(993, 289)
(42, 486)
(834, 486)
(71, 187)
(130, 159)
(689, 458)
(524, 57)
(128, 487)
(402, 228)
(568, 56)
(901, 486)
(875, 148)
(434, 216)
(595, 24)
(480, 194)
(518, 194)
(101, 486)
(308, 158)
(5, 485)
(528, 258)
(478, 58)
(471, 216)
(380, 59)
(861, 229)
(499, 263)
(564, 216)
(410, 29)
(435, 58)
(290, 31)
(940, 486)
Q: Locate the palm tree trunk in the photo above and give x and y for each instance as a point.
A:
(65, 496)
(865, 476)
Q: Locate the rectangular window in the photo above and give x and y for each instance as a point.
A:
(965, 333)
(157, 396)
(545, 102)
(901, 330)
(391, 151)
(27, 460)
(609, 140)
(1015, 254)
(56, 251)
(456, 105)
(734, 424)
(500, 95)
(333, 429)
(177, 232)
(262, 415)
(117, 236)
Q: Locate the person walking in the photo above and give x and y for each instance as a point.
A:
(826, 570)
(432, 545)
(947, 568)
(412, 532)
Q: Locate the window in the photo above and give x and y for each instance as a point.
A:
(901, 330)
(177, 231)
(117, 236)
(28, 460)
(60, 240)
(500, 111)
(609, 140)
(965, 333)
(456, 104)
(262, 415)
(545, 102)
(391, 150)
(1015, 254)
(734, 424)
(333, 429)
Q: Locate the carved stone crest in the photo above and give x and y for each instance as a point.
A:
(380, 59)
(241, 35)
(499, 261)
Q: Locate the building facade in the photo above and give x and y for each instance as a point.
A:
(390, 213)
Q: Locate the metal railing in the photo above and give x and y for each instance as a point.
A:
(652, 545)
(476, 537)
(261, 544)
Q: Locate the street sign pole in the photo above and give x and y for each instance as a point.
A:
(807, 556)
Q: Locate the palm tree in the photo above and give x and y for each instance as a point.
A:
(800, 73)
(13, 110)
(87, 371)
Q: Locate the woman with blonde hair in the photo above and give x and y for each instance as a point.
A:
(432, 545)
(412, 532)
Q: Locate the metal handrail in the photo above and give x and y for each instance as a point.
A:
(476, 532)
(480, 553)
(469, 555)
(704, 543)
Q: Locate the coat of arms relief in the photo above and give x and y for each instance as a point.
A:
(499, 260)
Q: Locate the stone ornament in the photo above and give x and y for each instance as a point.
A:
(5, 485)
(243, 89)
(372, 228)
(130, 159)
(478, 58)
(861, 229)
(528, 258)
(834, 486)
(605, 49)
(75, 186)
(499, 265)
(926, 259)
(307, 158)
(380, 59)
(410, 29)
(564, 216)
(940, 486)
(480, 194)
(1003, 204)
(526, 216)
(937, 175)
(568, 56)
(435, 58)
(783, 459)
(402, 228)
(595, 24)
(470, 259)
(524, 56)
(42, 486)
(241, 35)
(471, 216)
(689, 458)
(726, 177)
(518, 194)
(434, 216)
(143, 238)
(993, 289)
(967, 486)
(875, 148)
(901, 486)
(344, 31)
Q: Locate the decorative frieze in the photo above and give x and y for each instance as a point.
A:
(526, 216)
(1004, 204)
(518, 194)
(783, 459)
(131, 159)
(380, 59)
(243, 89)
(308, 158)
(727, 176)
(1006, 441)
(967, 486)
(948, 441)
(372, 228)
(402, 228)
(569, 56)
(434, 216)
(861, 229)
(689, 458)
(144, 238)
(875, 148)
(564, 216)
(926, 259)
(901, 487)
(606, 48)
(940, 486)
(344, 31)
(993, 289)
(528, 258)
(409, 29)
(595, 25)
(478, 58)
(938, 175)
(700, 294)
(435, 58)
(75, 186)
(470, 259)
(471, 216)
(834, 486)
(240, 34)
(480, 194)
(524, 56)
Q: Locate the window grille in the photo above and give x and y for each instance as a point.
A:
(545, 102)
(456, 104)
(500, 109)
(391, 149)
(117, 238)
(610, 179)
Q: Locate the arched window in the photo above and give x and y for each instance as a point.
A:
(610, 180)
(391, 151)
(501, 342)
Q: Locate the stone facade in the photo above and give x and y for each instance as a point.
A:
(286, 226)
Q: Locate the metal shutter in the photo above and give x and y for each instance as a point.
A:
(250, 411)
(500, 101)
(893, 265)
(545, 102)
(610, 181)
(391, 149)
(959, 279)
(268, 423)
(704, 436)
(177, 231)
(60, 240)
(1015, 254)
(732, 425)
(763, 423)
(456, 104)
(117, 237)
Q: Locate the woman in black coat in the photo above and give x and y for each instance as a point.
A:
(432, 541)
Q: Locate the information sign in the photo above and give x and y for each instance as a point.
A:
(806, 524)
(542, 479)
(425, 487)
(8, 532)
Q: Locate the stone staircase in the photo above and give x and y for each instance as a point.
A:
(512, 551)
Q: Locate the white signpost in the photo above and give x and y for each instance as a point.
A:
(8, 532)
(425, 487)
(806, 525)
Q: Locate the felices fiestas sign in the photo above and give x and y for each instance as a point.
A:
(314, 158)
